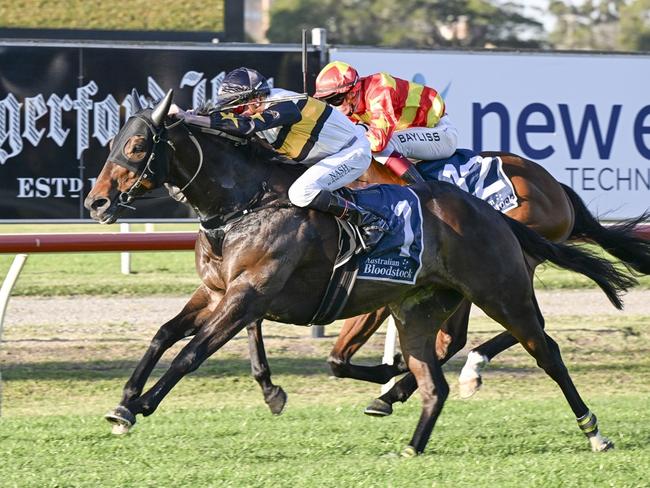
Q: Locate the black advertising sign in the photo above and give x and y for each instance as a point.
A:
(60, 104)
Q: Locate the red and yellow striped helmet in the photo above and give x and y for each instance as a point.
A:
(335, 78)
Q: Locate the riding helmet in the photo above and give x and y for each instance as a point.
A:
(241, 85)
(336, 78)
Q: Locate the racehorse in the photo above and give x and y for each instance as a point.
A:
(272, 261)
(547, 206)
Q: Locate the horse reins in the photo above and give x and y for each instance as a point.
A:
(216, 225)
(128, 196)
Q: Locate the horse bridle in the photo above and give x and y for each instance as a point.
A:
(158, 138)
(216, 224)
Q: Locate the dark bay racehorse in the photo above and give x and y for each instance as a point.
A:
(545, 205)
(274, 262)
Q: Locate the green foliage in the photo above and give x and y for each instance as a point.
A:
(635, 26)
(588, 25)
(604, 25)
(411, 23)
(187, 15)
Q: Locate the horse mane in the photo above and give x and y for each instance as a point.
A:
(255, 147)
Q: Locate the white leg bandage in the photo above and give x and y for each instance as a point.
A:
(473, 365)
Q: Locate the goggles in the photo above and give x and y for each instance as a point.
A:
(336, 99)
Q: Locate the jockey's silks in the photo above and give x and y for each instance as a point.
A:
(305, 130)
(388, 104)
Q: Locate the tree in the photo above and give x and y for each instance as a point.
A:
(593, 24)
(635, 26)
(408, 23)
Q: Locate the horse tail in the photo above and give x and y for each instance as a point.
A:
(618, 240)
(610, 279)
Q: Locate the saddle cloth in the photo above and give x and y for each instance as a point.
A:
(483, 177)
(396, 258)
(398, 255)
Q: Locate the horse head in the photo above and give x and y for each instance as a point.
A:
(138, 162)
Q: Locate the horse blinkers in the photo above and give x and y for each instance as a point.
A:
(141, 147)
(144, 151)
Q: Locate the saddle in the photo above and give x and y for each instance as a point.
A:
(396, 257)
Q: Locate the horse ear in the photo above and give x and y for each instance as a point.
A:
(136, 100)
(160, 111)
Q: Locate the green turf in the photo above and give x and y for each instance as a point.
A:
(214, 429)
(481, 444)
(99, 273)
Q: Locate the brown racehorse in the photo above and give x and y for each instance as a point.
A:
(272, 260)
(550, 208)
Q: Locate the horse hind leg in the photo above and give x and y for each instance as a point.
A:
(526, 323)
(274, 396)
(355, 333)
(470, 379)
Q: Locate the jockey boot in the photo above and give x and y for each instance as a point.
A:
(372, 226)
(403, 168)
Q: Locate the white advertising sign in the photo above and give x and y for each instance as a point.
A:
(584, 117)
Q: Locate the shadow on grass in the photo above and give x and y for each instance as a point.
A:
(233, 367)
(107, 370)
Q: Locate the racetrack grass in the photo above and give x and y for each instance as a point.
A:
(484, 443)
(214, 429)
(155, 273)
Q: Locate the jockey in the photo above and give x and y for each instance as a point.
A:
(404, 119)
(303, 129)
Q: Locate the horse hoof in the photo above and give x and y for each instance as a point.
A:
(399, 364)
(379, 408)
(277, 400)
(409, 452)
(604, 445)
(122, 420)
(467, 388)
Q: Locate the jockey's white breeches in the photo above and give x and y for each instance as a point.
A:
(332, 172)
(423, 143)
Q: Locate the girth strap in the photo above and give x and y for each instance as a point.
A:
(343, 278)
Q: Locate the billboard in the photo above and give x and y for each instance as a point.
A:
(584, 117)
(61, 103)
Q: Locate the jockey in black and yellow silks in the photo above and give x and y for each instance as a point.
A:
(303, 129)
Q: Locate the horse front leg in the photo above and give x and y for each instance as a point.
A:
(355, 333)
(274, 396)
(182, 325)
(415, 320)
(241, 305)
